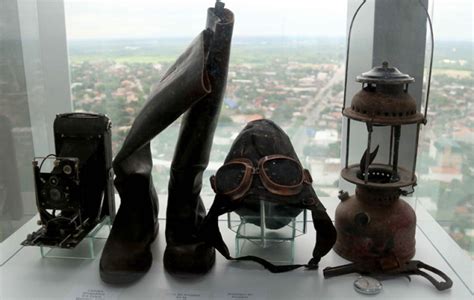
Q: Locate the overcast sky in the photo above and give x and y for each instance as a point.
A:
(86, 19)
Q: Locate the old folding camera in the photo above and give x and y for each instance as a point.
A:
(77, 194)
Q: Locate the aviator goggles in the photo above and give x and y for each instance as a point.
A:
(279, 174)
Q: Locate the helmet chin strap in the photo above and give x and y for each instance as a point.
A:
(326, 235)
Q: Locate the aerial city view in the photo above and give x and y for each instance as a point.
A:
(298, 83)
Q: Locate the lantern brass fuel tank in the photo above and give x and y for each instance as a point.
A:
(375, 223)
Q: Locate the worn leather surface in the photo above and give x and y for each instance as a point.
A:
(126, 255)
(185, 211)
(258, 139)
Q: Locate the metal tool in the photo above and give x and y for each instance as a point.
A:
(389, 268)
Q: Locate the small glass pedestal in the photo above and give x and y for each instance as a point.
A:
(88, 248)
(274, 245)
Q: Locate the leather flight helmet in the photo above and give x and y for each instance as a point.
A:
(262, 165)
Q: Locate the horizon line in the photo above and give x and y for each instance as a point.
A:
(234, 37)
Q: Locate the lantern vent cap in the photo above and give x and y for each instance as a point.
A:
(385, 74)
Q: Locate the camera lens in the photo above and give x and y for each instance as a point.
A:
(55, 194)
(67, 169)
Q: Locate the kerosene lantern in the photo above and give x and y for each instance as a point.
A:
(375, 223)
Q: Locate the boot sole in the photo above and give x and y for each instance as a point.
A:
(127, 277)
(120, 278)
(123, 277)
(189, 259)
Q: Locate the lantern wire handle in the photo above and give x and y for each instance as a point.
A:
(345, 79)
(431, 60)
(347, 52)
(428, 86)
(425, 9)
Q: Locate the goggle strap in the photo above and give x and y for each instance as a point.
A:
(326, 233)
(326, 237)
(268, 265)
(209, 230)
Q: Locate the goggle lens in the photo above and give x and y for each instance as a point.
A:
(229, 177)
(284, 172)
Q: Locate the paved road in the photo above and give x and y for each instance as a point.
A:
(313, 109)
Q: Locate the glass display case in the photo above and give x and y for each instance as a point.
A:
(287, 65)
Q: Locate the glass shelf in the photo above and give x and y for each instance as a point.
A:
(274, 245)
(89, 248)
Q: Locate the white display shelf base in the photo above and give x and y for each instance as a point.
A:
(28, 276)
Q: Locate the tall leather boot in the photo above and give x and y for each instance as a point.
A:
(185, 211)
(126, 255)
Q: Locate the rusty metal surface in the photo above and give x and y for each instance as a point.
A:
(383, 107)
(351, 174)
(373, 224)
